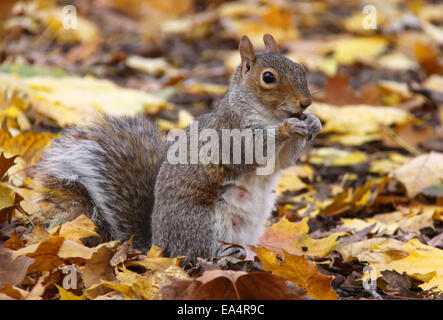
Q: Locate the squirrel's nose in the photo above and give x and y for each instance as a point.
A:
(305, 102)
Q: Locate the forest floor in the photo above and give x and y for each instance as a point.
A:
(359, 217)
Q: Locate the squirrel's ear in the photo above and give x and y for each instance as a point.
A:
(247, 54)
(270, 44)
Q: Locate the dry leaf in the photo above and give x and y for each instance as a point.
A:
(13, 270)
(292, 237)
(300, 271)
(45, 254)
(420, 172)
(230, 285)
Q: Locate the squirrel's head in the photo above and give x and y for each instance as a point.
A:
(279, 83)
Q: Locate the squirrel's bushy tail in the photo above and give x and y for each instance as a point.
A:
(106, 170)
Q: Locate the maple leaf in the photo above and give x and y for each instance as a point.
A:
(292, 237)
(45, 254)
(298, 269)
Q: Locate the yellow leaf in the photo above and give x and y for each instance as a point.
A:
(397, 61)
(155, 251)
(419, 261)
(356, 22)
(348, 120)
(129, 284)
(53, 18)
(375, 250)
(69, 100)
(386, 165)
(196, 88)
(300, 271)
(154, 66)
(79, 228)
(38, 235)
(290, 181)
(66, 295)
(292, 237)
(184, 119)
(256, 20)
(434, 82)
(72, 249)
(336, 157)
(29, 145)
(154, 263)
(349, 50)
(7, 196)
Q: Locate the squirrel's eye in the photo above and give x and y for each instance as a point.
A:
(268, 77)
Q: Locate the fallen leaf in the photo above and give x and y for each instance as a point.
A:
(45, 254)
(98, 268)
(79, 228)
(336, 157)
(349, 50)
(348, 127)
(13, 270)
(66, 295)
(299, 270)
(420, 172)
(72, 249)
(69, 100)
(14, 242)
(5, 164)
(290, 179)
(419, 261)
(292, 237)
(230, 285)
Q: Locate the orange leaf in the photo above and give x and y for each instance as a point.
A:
(300, 271)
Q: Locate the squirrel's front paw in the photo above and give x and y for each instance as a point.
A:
(293, 127)
(314, 126)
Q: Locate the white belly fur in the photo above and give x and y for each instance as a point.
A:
(243, 215)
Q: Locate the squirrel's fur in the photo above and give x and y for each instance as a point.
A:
(116, 169)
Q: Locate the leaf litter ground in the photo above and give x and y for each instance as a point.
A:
(360, 216)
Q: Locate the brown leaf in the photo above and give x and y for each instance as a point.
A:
(396, 283)
(15, 242)
(12, 291)
(13, 271)
(126, 252)
(81, 52)
(38, 235)
(337, 91)
(5, 164)
(98, 268)
(410, 134)
(231, 285)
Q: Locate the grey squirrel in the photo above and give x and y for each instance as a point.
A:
(116, 169)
